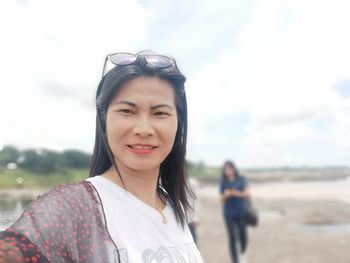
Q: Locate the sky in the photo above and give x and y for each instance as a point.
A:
(268, 82)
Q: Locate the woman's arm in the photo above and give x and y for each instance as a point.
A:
(235, 193)
(10, 253)
(16, 248)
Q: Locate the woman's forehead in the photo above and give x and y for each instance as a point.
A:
(146, 89)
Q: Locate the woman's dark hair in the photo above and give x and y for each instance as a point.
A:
(231, 165)
(172, 181)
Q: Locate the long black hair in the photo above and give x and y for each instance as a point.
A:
(172, 181)
(231, 165)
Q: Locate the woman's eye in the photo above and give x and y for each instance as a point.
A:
(126, 111)
(161, 113)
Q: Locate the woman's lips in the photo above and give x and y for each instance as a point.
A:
(142, 148)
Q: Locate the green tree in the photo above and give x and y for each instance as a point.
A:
(9, 154)
(41, 161)
(75, 159)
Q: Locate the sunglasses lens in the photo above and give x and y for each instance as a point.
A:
(159, 61)
(122, 59)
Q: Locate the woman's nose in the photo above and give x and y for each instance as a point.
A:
(143, 127)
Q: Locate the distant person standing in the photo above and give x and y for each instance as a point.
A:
(234, 192)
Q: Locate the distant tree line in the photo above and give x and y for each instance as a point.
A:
(43, 160)
(198, 166)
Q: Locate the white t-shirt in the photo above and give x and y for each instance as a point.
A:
(138, 230)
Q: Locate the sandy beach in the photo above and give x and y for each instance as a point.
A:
(297, 225)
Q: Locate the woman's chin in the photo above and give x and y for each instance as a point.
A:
(142, 166)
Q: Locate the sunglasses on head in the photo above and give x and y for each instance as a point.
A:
(153, 60)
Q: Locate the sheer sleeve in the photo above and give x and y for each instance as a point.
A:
(64, 225)
(16, 248)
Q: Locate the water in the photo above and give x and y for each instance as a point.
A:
(10, 211)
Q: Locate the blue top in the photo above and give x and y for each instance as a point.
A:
(234, 206)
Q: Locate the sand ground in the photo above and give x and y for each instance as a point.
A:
(290, 231)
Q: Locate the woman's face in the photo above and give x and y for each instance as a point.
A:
(141, 123)
(229, 171)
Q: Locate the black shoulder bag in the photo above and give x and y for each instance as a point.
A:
(251, 216)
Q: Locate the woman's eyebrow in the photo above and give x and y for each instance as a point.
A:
(129, 103)
(161, 105)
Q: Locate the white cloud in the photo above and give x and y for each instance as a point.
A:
(281, 71)
(59, 45)
(273, 62)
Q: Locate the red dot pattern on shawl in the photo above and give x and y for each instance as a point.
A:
(17, 248)
(66, 224)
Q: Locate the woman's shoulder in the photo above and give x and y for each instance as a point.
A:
(66, 198)
(55, 219)
(70, 187)
(67, 191)
(69, 202)
(243, 180)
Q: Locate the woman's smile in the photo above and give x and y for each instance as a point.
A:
(142, 149)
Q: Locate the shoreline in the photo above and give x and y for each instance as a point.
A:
(279, 177)
(306, 190)
(22, 193)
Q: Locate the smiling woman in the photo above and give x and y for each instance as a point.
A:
(134, 205)
(141, 121)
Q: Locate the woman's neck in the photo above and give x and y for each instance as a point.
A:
(143, 184)
(231, 177)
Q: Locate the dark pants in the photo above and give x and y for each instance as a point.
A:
(237, 231)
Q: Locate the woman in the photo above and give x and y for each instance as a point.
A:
(234, 192)
(133, 207)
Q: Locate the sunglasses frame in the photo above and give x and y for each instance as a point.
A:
(146, 56)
